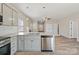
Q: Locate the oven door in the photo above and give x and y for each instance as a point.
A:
(5, 50)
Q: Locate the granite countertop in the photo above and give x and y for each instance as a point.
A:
(41, 33)
(3, 38)
(8, 35)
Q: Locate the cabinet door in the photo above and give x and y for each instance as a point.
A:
(7, 15)
(27, 43)
(35, 44)
(13, 45)
(15, 18)
(20, 43)
(0, 8)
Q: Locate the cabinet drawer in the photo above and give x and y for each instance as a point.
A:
(13, 39)
(13, 47)
(13, 44)
(13, 50)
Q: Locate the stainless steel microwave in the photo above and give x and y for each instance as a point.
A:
(1, 19)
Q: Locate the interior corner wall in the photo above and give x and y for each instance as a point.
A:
(64, 28)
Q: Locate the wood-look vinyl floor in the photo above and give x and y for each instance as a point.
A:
(66, 46)
(34, 53)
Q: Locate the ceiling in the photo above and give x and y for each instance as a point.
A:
(57, 11)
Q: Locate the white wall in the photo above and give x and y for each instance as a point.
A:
(64, 26)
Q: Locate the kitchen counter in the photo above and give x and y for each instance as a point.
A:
(46, 34)
(41, 33)
(49, 37)
(3, 38)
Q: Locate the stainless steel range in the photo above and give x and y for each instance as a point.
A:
(4, 45)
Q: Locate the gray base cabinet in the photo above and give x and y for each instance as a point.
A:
(32, 43)
(20, 43)
(29, 43)
(13, 45)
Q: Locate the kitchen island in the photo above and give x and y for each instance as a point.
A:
(35, 38)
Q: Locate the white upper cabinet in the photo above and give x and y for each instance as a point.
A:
(7, 15)
(0, 8)
(15, 18)
(10, 16)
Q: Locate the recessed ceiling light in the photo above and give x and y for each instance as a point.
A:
(43, 7)
(27, 7)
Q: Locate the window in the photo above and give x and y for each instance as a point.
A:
(20, 27)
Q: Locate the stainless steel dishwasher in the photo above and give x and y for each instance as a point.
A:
(46, 43)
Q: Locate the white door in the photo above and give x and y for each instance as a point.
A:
(55, 29)
(70, 29)
(78, 32)
(75, 29)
